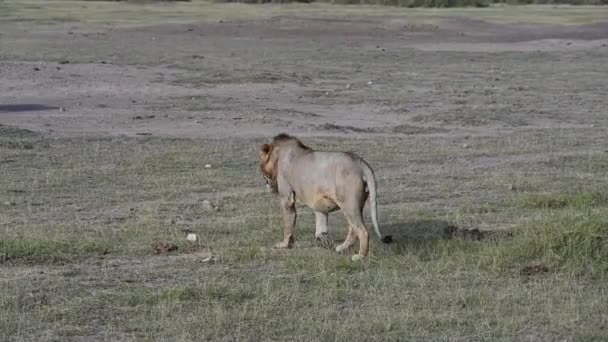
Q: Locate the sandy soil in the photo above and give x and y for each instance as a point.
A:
(305, 76)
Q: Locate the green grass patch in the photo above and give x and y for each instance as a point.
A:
(86, 197)
(572, 240)
(582, 199)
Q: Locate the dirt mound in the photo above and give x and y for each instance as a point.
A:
(534, 269)
(163, 247)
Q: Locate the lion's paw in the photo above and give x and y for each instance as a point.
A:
(282, 244)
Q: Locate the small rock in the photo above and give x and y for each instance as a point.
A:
(207, 205)
(61, 109)
(465, 145)
(141, 117)
(207, 166)
(64, 62)
(210, 259)
(192, 237)
(9, 203)
(348, 86)
(512, 187)
(370, 83)
(36, 69)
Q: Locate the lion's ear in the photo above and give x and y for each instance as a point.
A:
(265, 150)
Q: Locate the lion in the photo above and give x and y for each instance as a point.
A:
(323, 181)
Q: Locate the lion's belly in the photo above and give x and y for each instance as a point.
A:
(322, 203)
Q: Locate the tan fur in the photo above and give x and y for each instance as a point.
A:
(323, 181)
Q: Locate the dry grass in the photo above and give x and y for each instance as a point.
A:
(81, 215)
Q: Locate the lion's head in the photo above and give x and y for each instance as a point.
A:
(268, 165)
(269, 157)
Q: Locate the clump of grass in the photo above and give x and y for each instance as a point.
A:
(182, 294)
(583, 199)
(572, 240)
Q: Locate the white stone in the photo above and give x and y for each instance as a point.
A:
(192, 237)
(207, 205)
(210, 259)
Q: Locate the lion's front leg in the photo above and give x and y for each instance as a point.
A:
(288, 211)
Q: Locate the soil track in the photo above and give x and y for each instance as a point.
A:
(375, 75)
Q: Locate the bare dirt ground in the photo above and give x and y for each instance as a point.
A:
(367, 75)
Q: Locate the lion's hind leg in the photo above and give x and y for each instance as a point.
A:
(322, 231)
(357, 229)
(350, 240)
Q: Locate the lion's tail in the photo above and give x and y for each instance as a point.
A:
(370, 179)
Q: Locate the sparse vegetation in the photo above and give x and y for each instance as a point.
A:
(98, 223)
(580, 200)
(500, 223)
